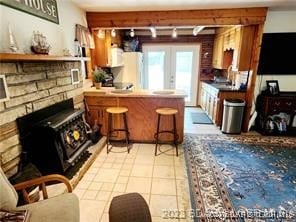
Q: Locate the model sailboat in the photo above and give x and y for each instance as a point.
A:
(12, 42)
(39, 44)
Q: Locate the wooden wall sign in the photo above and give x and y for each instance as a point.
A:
(46, 9)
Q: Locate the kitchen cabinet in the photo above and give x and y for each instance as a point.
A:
(244, 47)
(97, 110)
(141, 115)
(218, 52)
(238, 41)
(230, 39)
(211, 100)
(102, 52)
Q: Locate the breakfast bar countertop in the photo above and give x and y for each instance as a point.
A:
(112, 92)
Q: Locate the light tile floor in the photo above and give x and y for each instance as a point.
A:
(161, 180)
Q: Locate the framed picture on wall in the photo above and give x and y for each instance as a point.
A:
(273, 87)
(3, 89)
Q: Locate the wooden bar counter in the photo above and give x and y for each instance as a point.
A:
(141, 115)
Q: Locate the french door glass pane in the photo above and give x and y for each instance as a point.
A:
(156, 70)
(184, 72)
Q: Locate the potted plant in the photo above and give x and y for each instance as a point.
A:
(98, 77)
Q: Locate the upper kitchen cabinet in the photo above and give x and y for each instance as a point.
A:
(233, 46)
(102, 54)
(218, 52)
(244, 47)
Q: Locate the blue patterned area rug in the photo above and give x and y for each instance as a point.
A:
(241, 178)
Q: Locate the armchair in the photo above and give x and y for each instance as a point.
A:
(64, 207)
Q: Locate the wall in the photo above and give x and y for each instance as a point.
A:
(31, 86)
(278, 21)
(34, 85)
(60, 36)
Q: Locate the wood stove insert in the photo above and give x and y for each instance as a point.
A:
(53, 138)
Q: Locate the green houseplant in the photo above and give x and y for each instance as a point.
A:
(98, 77)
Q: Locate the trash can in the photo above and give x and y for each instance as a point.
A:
(232, 115)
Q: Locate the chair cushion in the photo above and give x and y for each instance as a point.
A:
(61, 208)
(130, 207)
(8, 195)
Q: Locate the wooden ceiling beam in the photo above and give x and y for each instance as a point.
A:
(240, 16)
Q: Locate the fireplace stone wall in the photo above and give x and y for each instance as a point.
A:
(32, 86)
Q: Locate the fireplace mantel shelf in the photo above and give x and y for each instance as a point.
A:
(33, 57)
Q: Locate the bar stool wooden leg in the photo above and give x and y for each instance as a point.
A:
(109, 130)
(175, 134)
(126, 132)
(157, 132)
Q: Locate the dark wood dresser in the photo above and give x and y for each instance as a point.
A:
(269, 105)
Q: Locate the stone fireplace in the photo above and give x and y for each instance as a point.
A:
(31, 87)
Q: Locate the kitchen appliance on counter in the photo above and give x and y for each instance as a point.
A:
(131, 71)
(109, 77)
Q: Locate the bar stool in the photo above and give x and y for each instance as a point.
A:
(117, 111)
(166, 112)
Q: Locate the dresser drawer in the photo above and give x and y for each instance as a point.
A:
(276, 105)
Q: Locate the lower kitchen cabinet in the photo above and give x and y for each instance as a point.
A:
(141, 116)
(209, 100)
(212, 98)
(97, 110)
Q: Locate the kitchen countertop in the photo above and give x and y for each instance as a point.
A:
(110, 91)
(222, 86)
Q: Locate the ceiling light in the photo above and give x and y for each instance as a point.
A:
(132, 33)
(174, 33)
(113, 33)
(197, 29)
(101, 34)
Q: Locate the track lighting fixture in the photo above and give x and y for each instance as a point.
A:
(113, 33)
(174, 33)
(132, 33)
(153, 32)
(197, 29)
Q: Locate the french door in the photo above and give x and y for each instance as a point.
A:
(168, 66)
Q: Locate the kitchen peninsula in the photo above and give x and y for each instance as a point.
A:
(141, 115)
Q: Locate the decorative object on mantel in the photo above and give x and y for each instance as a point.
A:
(12, 42)
(39, 44)
(77, 48)
(98, 77)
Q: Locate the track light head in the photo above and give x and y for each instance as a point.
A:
(197, 29)
(113, 33)
(101, 34)
(132, 33)
(174, 33)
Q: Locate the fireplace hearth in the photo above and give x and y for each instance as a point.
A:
(53, 138)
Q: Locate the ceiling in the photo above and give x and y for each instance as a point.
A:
(156, 5)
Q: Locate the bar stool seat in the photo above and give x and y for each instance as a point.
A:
(117, 111)
(166, 112)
